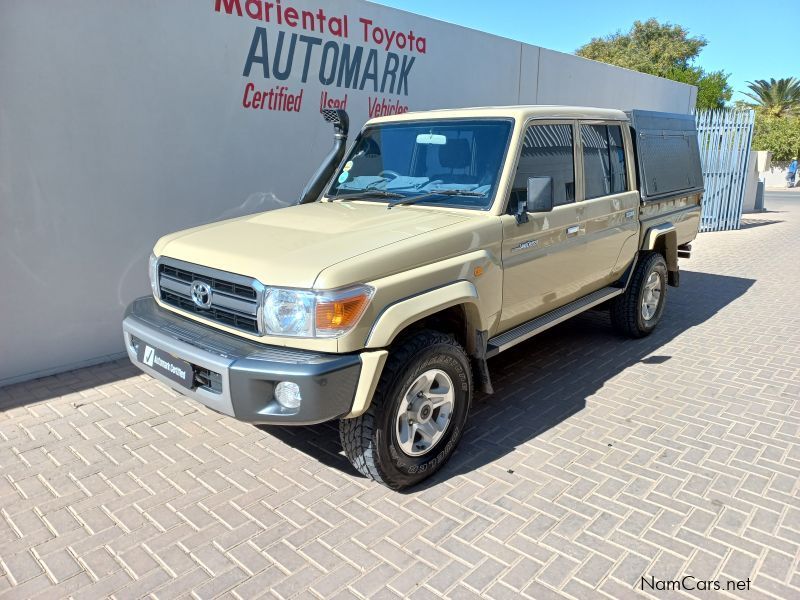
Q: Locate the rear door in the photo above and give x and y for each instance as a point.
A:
(608, 211)
(542, 259)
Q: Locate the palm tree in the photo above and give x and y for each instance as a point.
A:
(777, 97)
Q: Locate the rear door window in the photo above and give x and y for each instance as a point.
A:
(603, 160)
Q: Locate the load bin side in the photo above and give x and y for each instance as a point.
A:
(667, 154)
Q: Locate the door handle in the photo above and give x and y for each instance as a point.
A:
(573, 230)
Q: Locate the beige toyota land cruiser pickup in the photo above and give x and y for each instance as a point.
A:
(439, 240)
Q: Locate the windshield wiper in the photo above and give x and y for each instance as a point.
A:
(446, 192)
(367, 194)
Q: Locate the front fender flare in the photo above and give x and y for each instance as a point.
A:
(396, 317)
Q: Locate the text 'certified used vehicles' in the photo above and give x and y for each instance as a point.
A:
(439, 240)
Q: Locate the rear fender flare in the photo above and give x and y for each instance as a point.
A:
(667, 235)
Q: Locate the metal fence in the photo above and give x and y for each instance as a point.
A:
(724, 137)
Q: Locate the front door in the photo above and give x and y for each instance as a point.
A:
(544, 259)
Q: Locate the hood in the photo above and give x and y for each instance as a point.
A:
(291, 246)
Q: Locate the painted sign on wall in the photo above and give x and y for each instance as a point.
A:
(361, 55)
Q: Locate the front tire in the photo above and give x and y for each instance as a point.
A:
(637, 312)
(417, 415)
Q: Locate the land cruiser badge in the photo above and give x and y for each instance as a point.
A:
(526, 245)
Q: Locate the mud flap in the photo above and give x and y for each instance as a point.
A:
(480, 365)
(674, 278)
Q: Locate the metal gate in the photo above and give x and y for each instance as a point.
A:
(724, 137)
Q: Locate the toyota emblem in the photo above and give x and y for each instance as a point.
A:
(201, 294)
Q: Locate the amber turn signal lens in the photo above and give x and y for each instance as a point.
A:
(337, 314)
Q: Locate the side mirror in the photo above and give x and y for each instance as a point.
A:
(540, 194)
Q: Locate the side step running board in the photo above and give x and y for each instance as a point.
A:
(527, 330)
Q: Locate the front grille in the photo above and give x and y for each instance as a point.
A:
(234, 298)
(217, 283)
(226, 317)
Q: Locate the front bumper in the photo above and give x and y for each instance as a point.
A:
(237, 377)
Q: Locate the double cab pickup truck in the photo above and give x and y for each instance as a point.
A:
(433, 242)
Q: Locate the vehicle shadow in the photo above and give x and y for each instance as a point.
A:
(545, 380)
(76, 381)
(746, 223)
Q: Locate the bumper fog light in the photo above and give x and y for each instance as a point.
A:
(288, 394)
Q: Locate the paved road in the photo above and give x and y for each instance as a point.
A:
(598, 461)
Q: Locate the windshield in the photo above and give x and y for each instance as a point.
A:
(446, 162)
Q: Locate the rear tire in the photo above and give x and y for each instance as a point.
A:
(417, 415)
(637, 312)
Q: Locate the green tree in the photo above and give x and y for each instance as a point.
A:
(776, 97)
(665, 50)
(713, 90)
(780, 135)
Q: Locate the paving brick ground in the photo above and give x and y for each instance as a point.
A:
(598, 461)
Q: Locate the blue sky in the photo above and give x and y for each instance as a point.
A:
(749, 40)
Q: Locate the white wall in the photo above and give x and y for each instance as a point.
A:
(751, 186)
(775, 176)
(569, 79)
(122, 121)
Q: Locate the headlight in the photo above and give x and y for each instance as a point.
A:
(152, 269)
(305, 313)
(289, 312)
